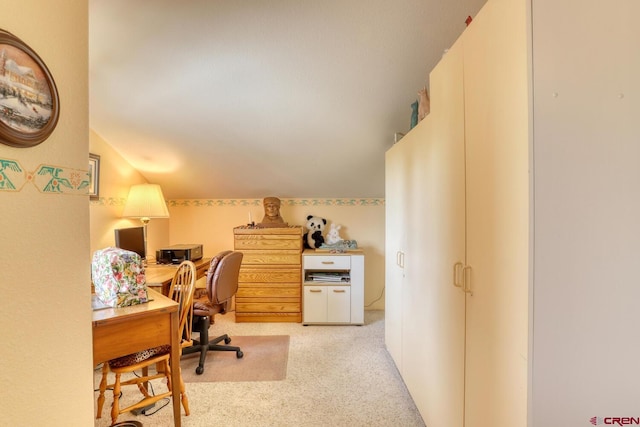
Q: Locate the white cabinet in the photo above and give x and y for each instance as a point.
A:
(327, 304)
(459, 308)
(333, 288)
(550, 222)
(425, 212)
(397, 179)
(497, 216)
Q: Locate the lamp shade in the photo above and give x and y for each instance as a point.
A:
(145, 201)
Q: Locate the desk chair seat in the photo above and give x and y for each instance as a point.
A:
(222, 285)
(181, 291)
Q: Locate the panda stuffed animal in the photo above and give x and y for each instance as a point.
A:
(313, 238)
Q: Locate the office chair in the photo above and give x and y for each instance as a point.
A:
(222, 285)
(181, 291)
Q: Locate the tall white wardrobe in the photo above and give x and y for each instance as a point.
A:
(513, 216)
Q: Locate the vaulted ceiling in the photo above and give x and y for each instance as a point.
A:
(250, 98)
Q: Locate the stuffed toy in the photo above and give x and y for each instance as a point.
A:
(333, 235)
(313, 238)
(424, 104)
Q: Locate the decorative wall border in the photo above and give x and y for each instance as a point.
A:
(208, 203)
(109, 201)
(186, 203)
(49, 179)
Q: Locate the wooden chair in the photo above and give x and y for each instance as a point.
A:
(181, 291)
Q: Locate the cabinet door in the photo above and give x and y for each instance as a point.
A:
(315, 304)
(397, 161)
(338, 304)
(433, 308)
(496, 128)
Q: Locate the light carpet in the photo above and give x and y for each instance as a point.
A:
(336, 376)
(265, 359)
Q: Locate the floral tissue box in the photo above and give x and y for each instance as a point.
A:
(118, 277)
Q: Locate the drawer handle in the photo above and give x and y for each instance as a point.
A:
(339, 290)
(328, 262)
(315, 290)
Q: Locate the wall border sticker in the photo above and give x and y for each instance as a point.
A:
(209, 203)
(49, 179)
(285, 202)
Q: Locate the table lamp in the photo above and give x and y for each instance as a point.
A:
(145, 201)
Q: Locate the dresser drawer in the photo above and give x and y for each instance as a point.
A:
(267, 258)
(268, 242)
(261, 293)
(326, 262)
(270, 275)
(268, 306)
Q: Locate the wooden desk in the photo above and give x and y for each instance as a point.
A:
(121, 331)
(160, 275)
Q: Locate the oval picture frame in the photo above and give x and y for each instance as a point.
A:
(29, 103)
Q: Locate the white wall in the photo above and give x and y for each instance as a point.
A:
(45, 313)
(586, 148)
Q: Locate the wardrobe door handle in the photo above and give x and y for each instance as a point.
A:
(457, 269)
(400, 259)
(466, 277)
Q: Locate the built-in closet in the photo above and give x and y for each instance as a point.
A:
(425, 238)
(513, 215)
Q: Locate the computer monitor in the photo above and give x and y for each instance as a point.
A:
(131, 239)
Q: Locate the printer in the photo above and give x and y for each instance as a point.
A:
(175, 254)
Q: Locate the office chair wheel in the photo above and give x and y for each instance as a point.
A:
(227, 340)
(199, 370)
(239, 354)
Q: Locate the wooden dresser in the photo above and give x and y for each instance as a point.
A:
(269, 288)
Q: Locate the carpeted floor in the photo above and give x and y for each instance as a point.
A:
(336, 375)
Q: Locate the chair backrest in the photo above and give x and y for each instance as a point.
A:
(222, 284)
(212, 269)
(182, 288)
(211, 272)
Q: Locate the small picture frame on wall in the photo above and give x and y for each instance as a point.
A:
(94, 176)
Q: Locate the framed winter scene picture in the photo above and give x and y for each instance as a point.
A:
(29, 104)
